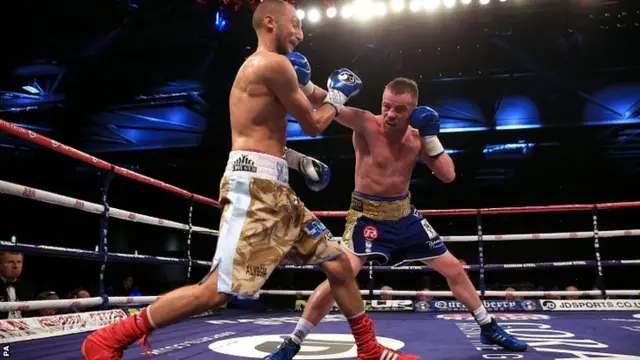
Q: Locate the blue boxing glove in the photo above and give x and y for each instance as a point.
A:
(427, 121)
(303, 71)
(342, 85)
(316, 174)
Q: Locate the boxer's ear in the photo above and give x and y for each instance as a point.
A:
(270, 22)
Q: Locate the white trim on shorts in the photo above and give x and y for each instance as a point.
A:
(366, 255)
(230, 229)
(421, 259)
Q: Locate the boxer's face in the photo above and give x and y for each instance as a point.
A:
(396, 110)
(288, 31)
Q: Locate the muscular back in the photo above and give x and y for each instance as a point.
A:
(384, 167)
(258, 119)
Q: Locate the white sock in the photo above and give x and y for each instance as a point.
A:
(303, 328)
(481, 315)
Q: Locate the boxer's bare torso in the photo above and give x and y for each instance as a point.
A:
(384, 165)
(258, 119)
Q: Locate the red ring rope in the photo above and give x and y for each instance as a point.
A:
(79, 155)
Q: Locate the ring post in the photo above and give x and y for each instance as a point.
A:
(104, 225)
(480, 251)
(596, 246)
(189, 233)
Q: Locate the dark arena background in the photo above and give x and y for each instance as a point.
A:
(539, 103)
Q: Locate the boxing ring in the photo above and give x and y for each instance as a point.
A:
(443, 329)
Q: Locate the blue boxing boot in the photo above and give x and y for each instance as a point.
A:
(493, 334)
(286, 351)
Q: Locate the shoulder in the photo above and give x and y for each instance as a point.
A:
(273, 63)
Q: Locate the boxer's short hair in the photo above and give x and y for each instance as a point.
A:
(402, 85)
(273, 7)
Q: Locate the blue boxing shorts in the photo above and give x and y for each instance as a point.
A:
(390, 230)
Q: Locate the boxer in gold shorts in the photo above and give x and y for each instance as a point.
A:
(263, 221)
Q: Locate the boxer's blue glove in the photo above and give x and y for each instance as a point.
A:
(342, 85)
(303, 71)
(316, 174)
(427, 121)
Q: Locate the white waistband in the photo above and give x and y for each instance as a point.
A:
(258, 165)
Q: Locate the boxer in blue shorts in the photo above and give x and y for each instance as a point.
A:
(390, 230)
(381, 222)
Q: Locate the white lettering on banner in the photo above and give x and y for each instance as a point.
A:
(498, 316)
(274, 321)
(578, 305)
(188, 343)
(405, 268)
(507, 266)
(543, 338)
(391, 305)
(491, 305)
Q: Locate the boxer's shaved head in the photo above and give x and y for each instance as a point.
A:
(275, 8)
(277, 21)
(401, 86)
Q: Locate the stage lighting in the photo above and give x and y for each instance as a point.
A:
(449, 3)
(300, 14)
(484, 2)
(397, 5)
(332, 12)
(314, 15)
(415, 5)
(380, 9)
(346, 11)
(431, 4)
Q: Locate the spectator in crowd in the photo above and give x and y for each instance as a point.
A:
(13, 289)
(47, 295)
(572, 297)
(126, 287)
(78, 293)
(425, 297)
(511, 296)
(386, 296)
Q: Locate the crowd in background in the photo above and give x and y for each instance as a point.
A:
(14, 288)
(18, 289)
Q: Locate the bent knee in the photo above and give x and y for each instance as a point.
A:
(207, 298)
(339, 269)
(455, 271)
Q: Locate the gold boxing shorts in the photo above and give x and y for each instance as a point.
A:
(263, 222)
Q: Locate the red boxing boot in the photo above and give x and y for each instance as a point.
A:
(110, 342)
(368, 347)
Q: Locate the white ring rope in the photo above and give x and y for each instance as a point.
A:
(56, 199)
(143, 300)
(539, 236)
(73, 251)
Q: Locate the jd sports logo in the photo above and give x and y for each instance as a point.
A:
(243, 163)
(316, 346)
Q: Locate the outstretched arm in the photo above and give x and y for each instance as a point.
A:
(351, 117)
